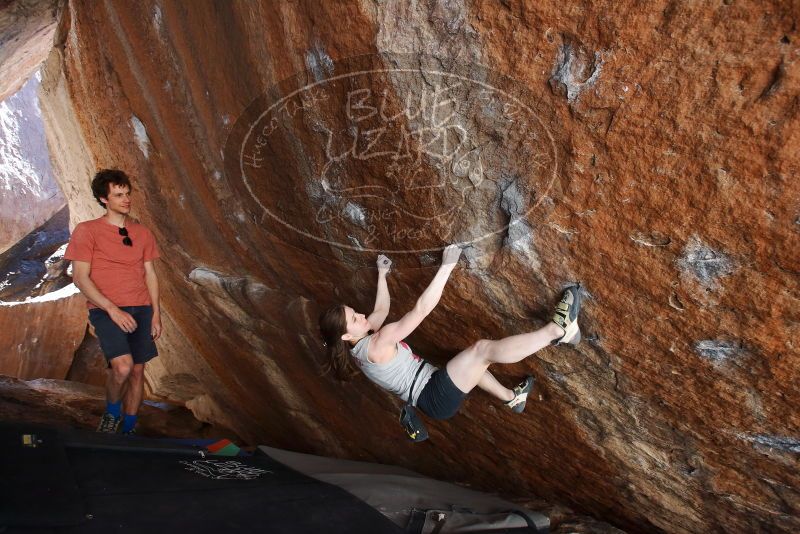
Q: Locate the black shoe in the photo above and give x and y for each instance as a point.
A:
(131, 432)
(109, 424)
(517, 404)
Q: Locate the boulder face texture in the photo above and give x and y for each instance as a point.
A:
(648, 150)
(41, 335)
(29, 193)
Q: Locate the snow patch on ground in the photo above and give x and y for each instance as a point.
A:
(64, 292)
(57, 255)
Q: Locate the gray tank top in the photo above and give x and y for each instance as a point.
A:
(397, 374)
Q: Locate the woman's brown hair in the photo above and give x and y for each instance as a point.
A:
(332, 326)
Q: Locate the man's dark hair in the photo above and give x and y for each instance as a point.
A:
(103, 180)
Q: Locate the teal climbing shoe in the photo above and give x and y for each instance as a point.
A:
(517, 404)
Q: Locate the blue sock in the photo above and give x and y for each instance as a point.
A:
(128, 423)
(114, 408)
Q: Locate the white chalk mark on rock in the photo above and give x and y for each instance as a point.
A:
(140, 135)
(575, 69)
(717, 351)
(319, 63)
(779, 443)
(355, 213)
(705, 263)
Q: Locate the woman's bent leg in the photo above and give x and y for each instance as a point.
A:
(469, 366)
(489, 384)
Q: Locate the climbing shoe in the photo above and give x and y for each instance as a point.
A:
(566, 315)
(517, 404)
(109, 424)
(131, 432)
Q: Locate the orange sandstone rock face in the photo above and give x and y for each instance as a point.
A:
(42, 314)
(649, 151)
(42, 334)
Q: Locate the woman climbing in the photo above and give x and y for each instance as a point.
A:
(388, 361)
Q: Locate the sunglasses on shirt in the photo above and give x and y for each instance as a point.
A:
(125, 240)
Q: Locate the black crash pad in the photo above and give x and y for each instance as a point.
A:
(79, 486)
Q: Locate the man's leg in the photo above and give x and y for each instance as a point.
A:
(121, 367)
(144, 349)
(118, 374)
(132, 399)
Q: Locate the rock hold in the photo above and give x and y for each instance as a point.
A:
(575, 69)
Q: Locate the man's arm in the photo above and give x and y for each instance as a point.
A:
(151, 281)
(80, 275)
(381, 309)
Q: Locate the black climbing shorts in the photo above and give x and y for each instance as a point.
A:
(115, 342)
(440, 398)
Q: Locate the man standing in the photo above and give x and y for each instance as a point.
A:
(112, 264)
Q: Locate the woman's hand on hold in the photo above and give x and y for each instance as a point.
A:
(384, 264)
(450, 255)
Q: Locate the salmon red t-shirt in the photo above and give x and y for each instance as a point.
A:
(117, 269)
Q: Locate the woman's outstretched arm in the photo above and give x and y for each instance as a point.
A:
(394, 332)
(381, 310)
